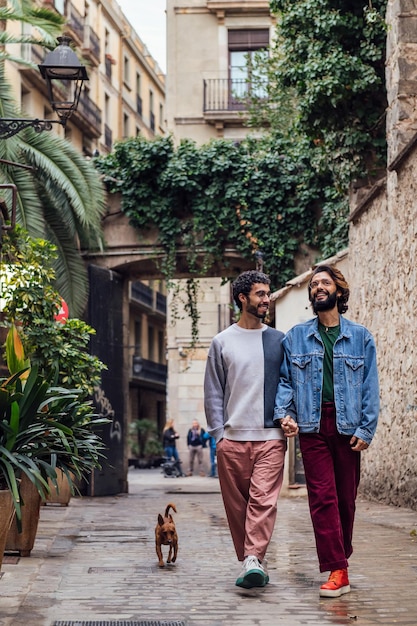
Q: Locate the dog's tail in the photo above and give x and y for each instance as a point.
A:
(170, 506)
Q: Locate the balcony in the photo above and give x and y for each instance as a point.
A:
(88, 116)
(139, 105)
(34, 54)
(91, 46)
(161, 303)
(108, 62)
(75, 25)
(154, 300)
(108, 137)
(227, 99)
(149, 372)
(141, 293)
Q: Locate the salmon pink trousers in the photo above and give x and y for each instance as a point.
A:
(251, 475)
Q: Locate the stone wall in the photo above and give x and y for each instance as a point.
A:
(383, 274)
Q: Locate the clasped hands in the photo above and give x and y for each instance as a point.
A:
(289, 426)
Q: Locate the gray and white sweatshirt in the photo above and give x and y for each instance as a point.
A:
(240, 384)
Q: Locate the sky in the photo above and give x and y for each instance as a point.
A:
(148, 19)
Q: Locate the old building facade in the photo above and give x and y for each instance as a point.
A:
(383, 272)
(123, 97)
(209, 47)
(125, 91)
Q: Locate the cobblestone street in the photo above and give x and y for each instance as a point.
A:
(95, 562)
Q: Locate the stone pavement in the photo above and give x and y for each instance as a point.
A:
(94, 564)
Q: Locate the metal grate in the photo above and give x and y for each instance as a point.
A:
(146, 622)
(10, 560)
(112, 570)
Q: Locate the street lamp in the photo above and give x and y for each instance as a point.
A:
(64, 76)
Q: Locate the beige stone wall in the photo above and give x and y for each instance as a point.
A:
(383, 275)
(186, 366)
(383, 244)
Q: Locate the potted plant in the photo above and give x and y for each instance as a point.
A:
(51, 341)
(43, 428)
(144, 443)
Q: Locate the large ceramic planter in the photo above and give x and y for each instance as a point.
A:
(23, 542)
(62, 495)
(6, 517)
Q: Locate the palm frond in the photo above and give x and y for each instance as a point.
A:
(46, 22)
(58, 161)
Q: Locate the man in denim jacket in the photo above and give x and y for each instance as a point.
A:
(329, 385)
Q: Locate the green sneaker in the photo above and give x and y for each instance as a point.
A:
(252, 575)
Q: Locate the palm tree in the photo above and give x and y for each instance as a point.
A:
(47, 26)
(60, 197)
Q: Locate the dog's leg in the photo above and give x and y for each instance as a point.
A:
(159, 554)
(174, 558)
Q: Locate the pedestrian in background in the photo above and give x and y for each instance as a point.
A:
(169, 443)
(329, 385)
(196, 443)
(241, 378)
(212, 447)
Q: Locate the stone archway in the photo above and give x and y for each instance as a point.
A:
(137, 254)
(129, 255)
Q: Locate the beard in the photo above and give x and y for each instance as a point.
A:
(253, 310)
(325, 305)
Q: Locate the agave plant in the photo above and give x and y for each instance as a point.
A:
(43, 428)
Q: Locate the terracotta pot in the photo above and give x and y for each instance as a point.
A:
(61, 496)
(6, 517)
(23, 542)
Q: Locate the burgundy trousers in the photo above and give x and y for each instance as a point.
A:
(332, 471)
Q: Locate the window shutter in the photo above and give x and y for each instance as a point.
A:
(248, 39)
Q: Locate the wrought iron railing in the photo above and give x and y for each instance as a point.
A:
(142, 293)
(92, 42)
(108, 137)
(230, 94)
(76, 22)
(139, 105)
(89, 110)
(149, 371)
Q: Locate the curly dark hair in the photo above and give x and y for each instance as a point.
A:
(341, 285)
(243, 284)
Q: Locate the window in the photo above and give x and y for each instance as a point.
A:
(108, 135)
(138, 337)
(161, 115)
(161, 346)
(125, 125)
(151, 112)
(243, 45)
(138, 94)
(126, 71)
(151, 343)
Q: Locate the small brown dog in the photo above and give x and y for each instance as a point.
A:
(166, 535)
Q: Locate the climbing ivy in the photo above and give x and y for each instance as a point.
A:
(324, 109)
(257, 195)
(327, 72)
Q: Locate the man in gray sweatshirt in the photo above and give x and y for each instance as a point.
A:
(241, 379)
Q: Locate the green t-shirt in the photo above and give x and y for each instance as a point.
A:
(329, 334)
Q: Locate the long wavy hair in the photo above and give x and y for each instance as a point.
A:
(341, 284)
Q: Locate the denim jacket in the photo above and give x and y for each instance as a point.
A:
(355, 375)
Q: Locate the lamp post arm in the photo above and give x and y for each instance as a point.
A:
(12, 126)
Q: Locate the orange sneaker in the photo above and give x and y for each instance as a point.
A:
(337, 585)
